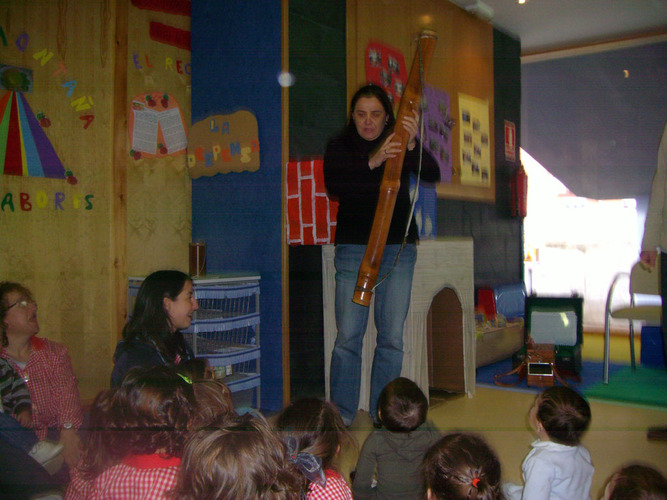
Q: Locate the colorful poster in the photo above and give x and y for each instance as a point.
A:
(474, 137)
(156, 126)
(221, 144)
(385, 66)
(25, 150)
(437, 129)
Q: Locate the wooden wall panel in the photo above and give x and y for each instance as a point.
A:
(62, 250)
(159, 189)
(462, 61)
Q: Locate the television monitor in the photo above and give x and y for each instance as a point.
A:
(557, 321)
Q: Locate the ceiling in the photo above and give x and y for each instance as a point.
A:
(545, 25)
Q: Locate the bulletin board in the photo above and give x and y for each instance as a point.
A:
(462, 65)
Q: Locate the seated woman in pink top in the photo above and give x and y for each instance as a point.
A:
(45, 367)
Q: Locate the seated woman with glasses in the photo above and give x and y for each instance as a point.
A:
(44, 366)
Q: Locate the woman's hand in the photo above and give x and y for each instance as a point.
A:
(72, 446)
(411, 126)
(389, 149)
(24, 418)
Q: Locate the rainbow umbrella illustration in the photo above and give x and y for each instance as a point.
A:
(24, 148)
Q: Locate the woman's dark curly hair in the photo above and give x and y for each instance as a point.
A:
(148, 413)
(149, 321)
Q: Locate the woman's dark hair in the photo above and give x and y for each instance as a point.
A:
(402, 405)
(462, 466)
(638, 482)
(7, 287)
(564, 414)
(378, 92)
(150, 321)
(244, 460)
(317, 427)
(149, 411)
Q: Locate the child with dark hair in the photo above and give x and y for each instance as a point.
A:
(214, 404)
(314, 432)
(242, 461)
(558, 466)
(393, 454)
(636, 482)
(462, 466)
(138, 431)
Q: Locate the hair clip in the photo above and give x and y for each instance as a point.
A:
(185, 377)
(309, 465)
(475, 482)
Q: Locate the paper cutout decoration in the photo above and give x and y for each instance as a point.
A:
(474, 137)
(311, 215)
(425, 213)
(223, 144)
(25, 150)
(385, 66)
(156, 126)
(437, 130)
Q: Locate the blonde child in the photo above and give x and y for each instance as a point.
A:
(461, 466)
(242, 461)
(314, 433)
(558, 467)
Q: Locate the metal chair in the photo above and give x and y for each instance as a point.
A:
(643, 281)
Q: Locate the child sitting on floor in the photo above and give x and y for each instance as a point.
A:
(558, 466)
(636, 482)
(314, 432)
(462, 466)
(214, 404)
(16, 420)
(242, 461)
(394, 454)
(138, 430)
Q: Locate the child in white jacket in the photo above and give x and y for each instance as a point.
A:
(558, 467)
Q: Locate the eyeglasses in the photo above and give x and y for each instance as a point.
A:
(24, 304)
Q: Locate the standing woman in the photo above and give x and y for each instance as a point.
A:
(353, 169)
(46, 368)
(152, 337)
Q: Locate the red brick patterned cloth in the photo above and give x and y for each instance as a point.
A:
(311, 215)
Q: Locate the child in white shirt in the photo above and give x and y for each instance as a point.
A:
(558, 467)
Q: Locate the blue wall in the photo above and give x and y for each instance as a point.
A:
(236, 48)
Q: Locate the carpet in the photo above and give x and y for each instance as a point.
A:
(645, 387)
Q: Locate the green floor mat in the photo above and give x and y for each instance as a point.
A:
(645, 387)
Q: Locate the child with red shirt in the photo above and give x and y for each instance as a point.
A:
(314, 433)
(136, 439)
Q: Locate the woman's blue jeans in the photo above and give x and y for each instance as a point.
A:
(392, 301)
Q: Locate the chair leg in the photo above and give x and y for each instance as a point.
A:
(605, 369)
(632, 346)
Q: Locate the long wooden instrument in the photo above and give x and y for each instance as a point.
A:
(391, 180)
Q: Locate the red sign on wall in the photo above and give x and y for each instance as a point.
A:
(510, 141)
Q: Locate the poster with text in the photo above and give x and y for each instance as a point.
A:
(474, 141)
